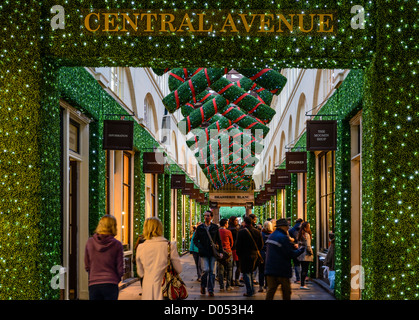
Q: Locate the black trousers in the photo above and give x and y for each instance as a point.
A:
(304, 271)
(103, 291)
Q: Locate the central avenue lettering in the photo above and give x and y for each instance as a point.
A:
(181, 310)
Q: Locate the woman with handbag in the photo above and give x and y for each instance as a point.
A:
(152, 259)
(304, 240)
(249, 244)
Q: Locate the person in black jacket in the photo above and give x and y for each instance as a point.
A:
(279, 252)
(203, 242)
(247, 249)
(293, 232)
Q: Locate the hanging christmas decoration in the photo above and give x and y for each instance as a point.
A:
(228, 120)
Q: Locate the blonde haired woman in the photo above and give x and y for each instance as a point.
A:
(152, 261)
(104, 261)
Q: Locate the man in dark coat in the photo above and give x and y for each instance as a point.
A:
(279, 252)
(247, 253)
(203, 242)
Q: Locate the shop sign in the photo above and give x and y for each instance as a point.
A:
(282, 179)
(178, 181)
(259, 203)
(321, 135)
(263, 196)
(118, 135)
(189, 189)
(232, 197)
(201, 198)
(296, 162)
(195, 194)
(153, 162)
(273, 179)
(213, 205)
(269, 190)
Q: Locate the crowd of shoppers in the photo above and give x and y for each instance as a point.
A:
(223, 251)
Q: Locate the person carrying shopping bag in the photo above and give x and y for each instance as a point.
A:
(304, 240)
(152, 259)
(206, 237)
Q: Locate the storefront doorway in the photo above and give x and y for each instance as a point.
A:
(75, 202)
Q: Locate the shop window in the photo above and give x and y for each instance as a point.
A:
(74, 136)
(118, 189)
(150, 209)
(302, 196)
(326, 197)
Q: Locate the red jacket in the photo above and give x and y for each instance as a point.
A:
(226, 239)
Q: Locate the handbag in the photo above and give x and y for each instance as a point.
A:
(215, 251)
(260, 259)
(173, 286)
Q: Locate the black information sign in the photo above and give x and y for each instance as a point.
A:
(296, 162)
(321, 135)
(118, 134)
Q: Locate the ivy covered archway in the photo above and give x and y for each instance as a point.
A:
(31, 54)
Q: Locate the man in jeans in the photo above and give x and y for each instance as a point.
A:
(279, 252)
(203, 242)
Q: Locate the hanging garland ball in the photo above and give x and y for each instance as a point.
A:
(266, 78)
(204, 135)
(203, 97)
(237, 116)
(247, 102)
(202, 114)
(190, 89)
(178, 76)
(262, 94)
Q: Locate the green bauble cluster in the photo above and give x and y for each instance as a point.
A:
(235, 113)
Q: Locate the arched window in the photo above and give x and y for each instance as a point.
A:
(150, 118)
(117, 81)
(299, 123)
(290, 133)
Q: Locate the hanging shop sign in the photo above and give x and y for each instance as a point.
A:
(321, 135)
(263, 196)
(201, 198)
(296, 162)
(118, 135)
(282, 179)
(189, 189)
(232, 197)
(178, 181)
(153, 162)
(259, 202)
(213, 205)
(273, 179)
(195, 194)
(269, 190)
